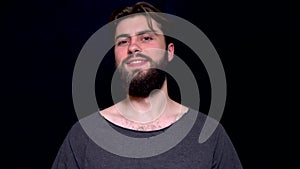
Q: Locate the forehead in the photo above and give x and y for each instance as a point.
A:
(135, 24)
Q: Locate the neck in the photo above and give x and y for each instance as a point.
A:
(147, 114)
(146, 110)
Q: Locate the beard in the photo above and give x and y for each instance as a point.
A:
(141, 82)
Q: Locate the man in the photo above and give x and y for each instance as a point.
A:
(142, 52)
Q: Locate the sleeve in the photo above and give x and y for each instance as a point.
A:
(72, 150)
(225, 155)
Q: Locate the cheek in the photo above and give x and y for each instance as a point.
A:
(156, 52)
(120, 55)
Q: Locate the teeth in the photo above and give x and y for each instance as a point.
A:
(136, 61)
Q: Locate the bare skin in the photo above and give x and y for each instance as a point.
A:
(172, 112)
(157, 111)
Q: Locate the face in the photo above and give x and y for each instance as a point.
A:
(134, 39)
(139, 49)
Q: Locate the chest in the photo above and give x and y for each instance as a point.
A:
(190, 156)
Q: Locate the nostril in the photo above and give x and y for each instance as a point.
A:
(129, 52)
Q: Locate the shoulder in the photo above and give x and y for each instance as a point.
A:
(206, 127)
(79, 131)
(214, 134)
(76, 135)
(72, 151)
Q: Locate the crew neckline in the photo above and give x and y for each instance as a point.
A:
(142, 131)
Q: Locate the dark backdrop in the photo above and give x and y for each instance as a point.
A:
(256, 41)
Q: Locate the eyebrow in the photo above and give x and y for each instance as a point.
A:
(138, 33)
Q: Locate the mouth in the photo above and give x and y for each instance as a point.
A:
(136, 62)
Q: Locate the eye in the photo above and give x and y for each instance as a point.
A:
(147, 38)
(122, 42)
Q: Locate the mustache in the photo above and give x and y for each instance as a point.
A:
(136, 55)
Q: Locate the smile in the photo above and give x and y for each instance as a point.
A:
(136, 62)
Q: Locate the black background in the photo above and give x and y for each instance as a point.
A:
(256, 41)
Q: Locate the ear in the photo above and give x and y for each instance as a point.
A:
(170, 51)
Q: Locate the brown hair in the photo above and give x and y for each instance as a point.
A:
(142, 8)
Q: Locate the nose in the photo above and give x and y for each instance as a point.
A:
(133, 47)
